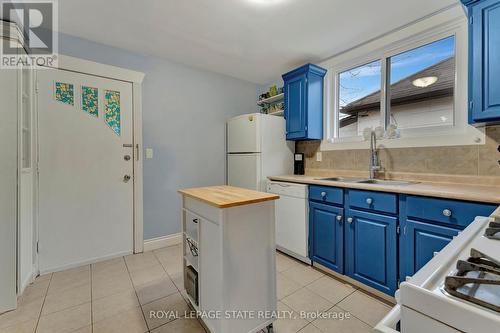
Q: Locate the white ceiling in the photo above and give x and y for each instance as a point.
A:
(254, 40)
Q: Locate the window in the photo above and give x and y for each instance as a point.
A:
(408, 88)
(359, 99)
(422, 86)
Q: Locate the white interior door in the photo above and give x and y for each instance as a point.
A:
(244, 170)
(85, 204)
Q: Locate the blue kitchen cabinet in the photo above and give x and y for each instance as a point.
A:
(303, 88)
(429, 224)
(371, 249)
(418, 243)
(484, 60)
(326, 235)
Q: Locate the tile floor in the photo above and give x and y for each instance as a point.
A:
(117, 296)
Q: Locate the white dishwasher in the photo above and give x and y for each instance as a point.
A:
(292, 218)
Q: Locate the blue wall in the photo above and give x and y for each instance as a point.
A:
(184, 114)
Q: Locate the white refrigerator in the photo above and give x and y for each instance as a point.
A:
(257, 148)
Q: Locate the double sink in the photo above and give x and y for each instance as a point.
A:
(366, 181)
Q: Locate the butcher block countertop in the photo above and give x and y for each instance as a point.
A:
(469, 192)
(227, 196)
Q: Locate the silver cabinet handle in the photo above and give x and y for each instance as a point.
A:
(447, 212)
(369, 201)
(323, 194)
(349, 220)
(126, 178)
(339, 218)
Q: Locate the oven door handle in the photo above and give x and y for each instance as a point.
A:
(390, 321)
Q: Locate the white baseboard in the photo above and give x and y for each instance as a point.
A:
(164, 241)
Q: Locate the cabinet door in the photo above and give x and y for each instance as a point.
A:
(295, 107)
(485, 61)
(418, 242)
(371, 249)
(326, 236)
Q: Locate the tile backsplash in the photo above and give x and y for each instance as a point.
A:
(480, 160)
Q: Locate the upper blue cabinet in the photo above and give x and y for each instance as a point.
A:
(304, 103)
(484, 60)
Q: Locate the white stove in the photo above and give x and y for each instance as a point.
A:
(425, 306)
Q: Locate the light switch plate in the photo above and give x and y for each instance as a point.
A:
(149, 153)
(319, 156)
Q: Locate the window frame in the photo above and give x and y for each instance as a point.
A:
(457, 134)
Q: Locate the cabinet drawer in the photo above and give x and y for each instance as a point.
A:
(452, 212)
(191, 222)
(327, 194)
(376, 201)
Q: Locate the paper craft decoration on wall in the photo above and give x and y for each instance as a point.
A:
(90, 98)
(65, 93)
(112, 110)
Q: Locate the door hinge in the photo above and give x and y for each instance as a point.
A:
(399, 283)
(37, 247)
(471, 105)
(398, 229)
(471, 20)
(36, 86)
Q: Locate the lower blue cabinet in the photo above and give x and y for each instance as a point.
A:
(418, 242)
(371, 249)
(326, 236)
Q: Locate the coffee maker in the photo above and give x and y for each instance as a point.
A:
(298, 164)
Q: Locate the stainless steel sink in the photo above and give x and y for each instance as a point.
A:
(385, 182)
(367, 181)
(342, 179)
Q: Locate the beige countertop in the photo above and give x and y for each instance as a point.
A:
(480, 193)
(227, 196)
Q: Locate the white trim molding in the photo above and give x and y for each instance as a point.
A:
(164, 241)
(450, 22)
(97, 69)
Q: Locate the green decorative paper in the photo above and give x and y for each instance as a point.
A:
(65, 93)
(112, 110)
(90, 100)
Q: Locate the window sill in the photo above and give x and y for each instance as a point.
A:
(452, 137)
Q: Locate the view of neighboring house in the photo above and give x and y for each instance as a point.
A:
(411, 106)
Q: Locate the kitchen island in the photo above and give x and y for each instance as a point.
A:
(229, 257)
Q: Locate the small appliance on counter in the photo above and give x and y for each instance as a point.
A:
(298, 164)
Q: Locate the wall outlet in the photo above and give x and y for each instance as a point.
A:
(319, 156)
(149, 153)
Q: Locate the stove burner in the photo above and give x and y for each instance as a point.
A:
(493, 231)
(477, 280)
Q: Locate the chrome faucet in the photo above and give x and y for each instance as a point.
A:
(374, 161)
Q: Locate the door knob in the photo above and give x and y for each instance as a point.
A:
(126, 178)
(126, 157)
(339, 218)
(349, 220)
(323, 194)
(369, 201)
